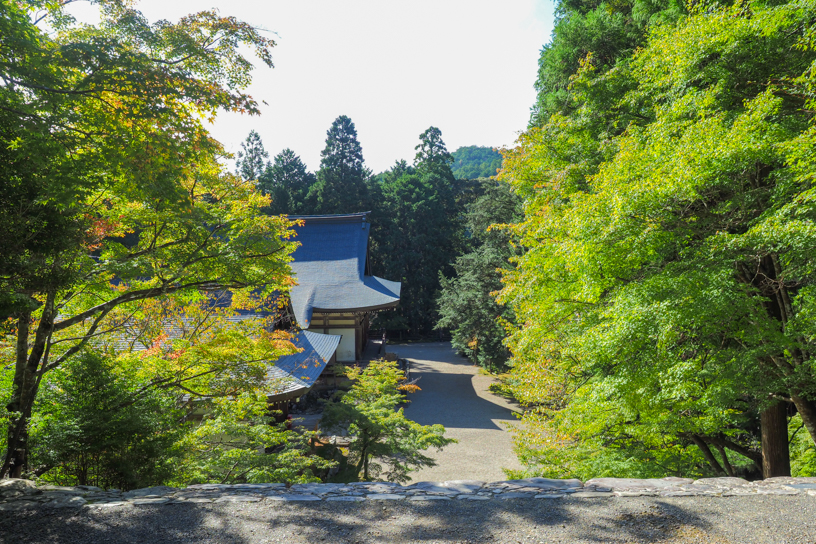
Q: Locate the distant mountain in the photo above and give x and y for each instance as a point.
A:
(475, 161)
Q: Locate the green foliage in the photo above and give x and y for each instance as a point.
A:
(287, 182)
(607, 32)
(802, 449)
(475, 161)
(112, 187)
(95, 426)
(197, 346)
(419, 233)
(237, 442)
(252, 159)
(466, 303)
(416, 244)
(341, 180)
(384, 442)
(6, 384)
(100, 423)
(664, 299)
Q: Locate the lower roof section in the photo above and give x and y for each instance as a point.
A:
(293, 375)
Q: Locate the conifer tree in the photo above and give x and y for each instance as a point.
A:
(432, 154)
(288, 181)
(466, 304)
(421, 234)
(341, 180)
(252, 159)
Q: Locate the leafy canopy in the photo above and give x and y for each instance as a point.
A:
(474, 162)
(384, 442)
(112, 185)
(664, 301)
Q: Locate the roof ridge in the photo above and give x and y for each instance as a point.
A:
(332, 217)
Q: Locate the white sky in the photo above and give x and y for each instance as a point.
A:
(395, 67)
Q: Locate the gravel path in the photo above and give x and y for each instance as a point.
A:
(456, 395)
(738, 520)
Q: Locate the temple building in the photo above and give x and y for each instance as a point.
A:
(331, 305)
(336, 293)
(333, 300)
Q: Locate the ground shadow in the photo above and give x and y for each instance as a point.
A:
(690, 519)
(447, 394)
(182, 523)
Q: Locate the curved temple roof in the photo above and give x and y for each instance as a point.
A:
(331, 268)
(295, 374)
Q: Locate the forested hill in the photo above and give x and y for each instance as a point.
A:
(473, 161)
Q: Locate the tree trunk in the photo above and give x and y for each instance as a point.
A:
(18, 423)
(726, 463)
(807, 410)
(775, 454)
(17, 455)
(25, 386)
(700, 443)
(362, 464)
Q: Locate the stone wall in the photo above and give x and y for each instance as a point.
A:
(20, 494)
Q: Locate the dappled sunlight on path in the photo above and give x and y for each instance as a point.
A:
(454, 394)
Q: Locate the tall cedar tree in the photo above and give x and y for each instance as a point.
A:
(467, 306)
(421, 234)
(287, 182)
(341, 180)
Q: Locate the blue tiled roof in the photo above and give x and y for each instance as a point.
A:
(330, 268)
(301, 370)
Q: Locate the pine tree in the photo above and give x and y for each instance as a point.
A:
(252, 159)
(421, 234)
(341, 180)
(288, 182)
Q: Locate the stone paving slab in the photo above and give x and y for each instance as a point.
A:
(163, 500)
(23, 494)
(239, 498)
(293, 497)
(512, 495)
